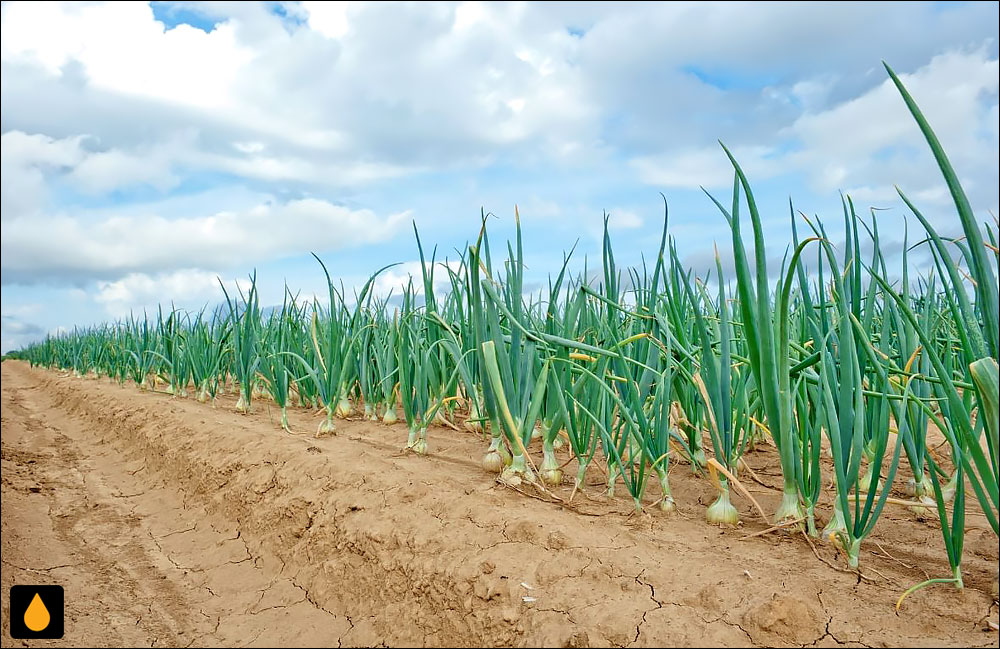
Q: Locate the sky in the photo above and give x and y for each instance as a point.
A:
(152, 150)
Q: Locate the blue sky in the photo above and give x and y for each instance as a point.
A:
(151, 148)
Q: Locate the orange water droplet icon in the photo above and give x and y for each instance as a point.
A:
(36, 617)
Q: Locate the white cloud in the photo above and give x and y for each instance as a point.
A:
(258, 166)
(249, 147)
(328, 18)
(871, 140)
(869, 143)
(138, 291)
(24, 162)
(708, 167)
(123, 48)
(102, 172)
(812, 94)
(30, 162)
(352, 97)
(622, 219)
(396, 279)
(114, 245)
(40, 150)
(537, 207)
(468, 14)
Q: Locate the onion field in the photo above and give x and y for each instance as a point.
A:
(847, 362)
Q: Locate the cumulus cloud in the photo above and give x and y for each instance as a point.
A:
(869, 143)
(182, 65)
(32, 162)
(706, 167)
(872, 142)
(137, 291)
(24, 162)
(111, 246)
(622, 219)
(328, 18)
(404, 85)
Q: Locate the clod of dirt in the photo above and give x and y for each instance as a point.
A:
(556, 541)
(783, 619)
(579, 639)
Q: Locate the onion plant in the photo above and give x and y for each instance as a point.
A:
(207, 348)
(715, 381)
(334, 336)
(274, 362)
(244, 323)
(766, 330)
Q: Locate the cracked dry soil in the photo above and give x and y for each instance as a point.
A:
(173, 523)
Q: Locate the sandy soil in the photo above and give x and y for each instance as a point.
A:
(174, 523)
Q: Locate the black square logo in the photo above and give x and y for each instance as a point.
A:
(36, 612)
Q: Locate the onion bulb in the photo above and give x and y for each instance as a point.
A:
(343, 408)
(492, 462)
(389, 417)
(550, 472)
(326, 427)
(722, 511)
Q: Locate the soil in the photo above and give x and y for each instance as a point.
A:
(170, 522)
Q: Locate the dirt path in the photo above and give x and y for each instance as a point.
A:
(173, 523)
